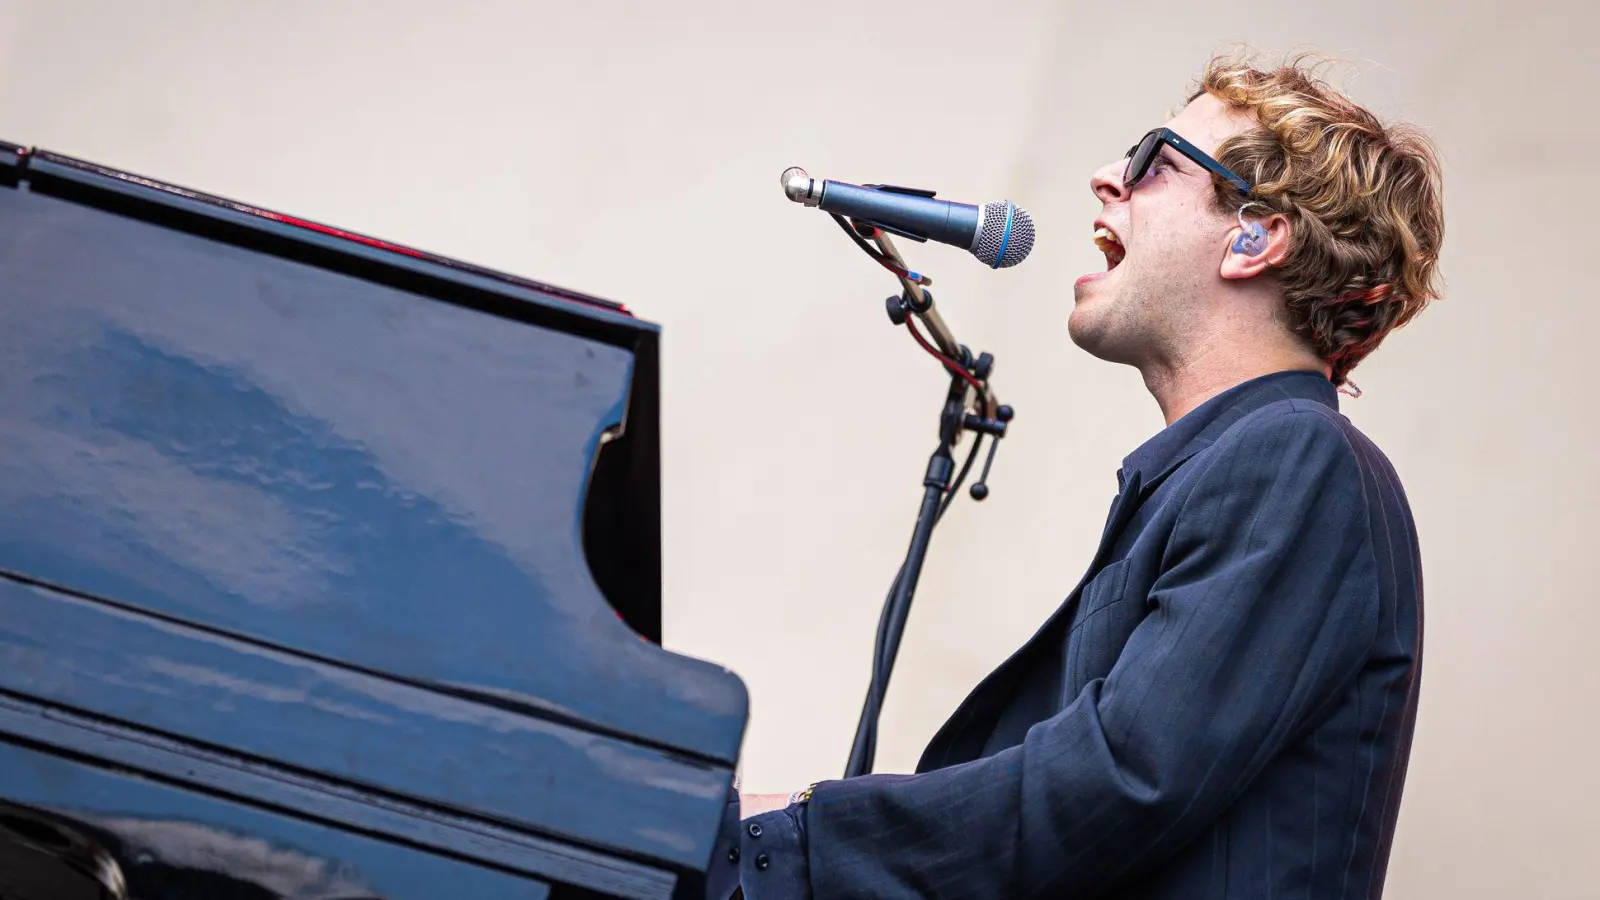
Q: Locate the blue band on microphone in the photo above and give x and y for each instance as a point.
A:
(1005, 236)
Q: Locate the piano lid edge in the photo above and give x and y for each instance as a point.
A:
(241, 224)
(619, 539)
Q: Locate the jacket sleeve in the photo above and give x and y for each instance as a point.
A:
(759, 858)
(1263, 612)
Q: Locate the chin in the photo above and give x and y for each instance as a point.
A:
(1091, 304)
(1086, 329)
(1096, 327)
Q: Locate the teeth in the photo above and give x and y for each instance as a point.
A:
(1110, 246)
(1104, 237)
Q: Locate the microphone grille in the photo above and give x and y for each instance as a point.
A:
(1006, 236)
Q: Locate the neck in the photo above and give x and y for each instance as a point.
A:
(1182, 386)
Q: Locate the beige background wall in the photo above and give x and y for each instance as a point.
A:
(633, 150)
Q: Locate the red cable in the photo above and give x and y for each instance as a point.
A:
(889, 264)
(949, 363)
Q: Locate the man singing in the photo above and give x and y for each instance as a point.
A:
(1224, 707)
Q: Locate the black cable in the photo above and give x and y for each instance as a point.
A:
(949, 498)
(877, 689)
(955, 368)
(878, 649)
(966, 467)
(867, 728)
(856, 236)
(880, 258)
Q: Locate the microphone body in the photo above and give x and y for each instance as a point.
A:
(999, 234)
(944, 221)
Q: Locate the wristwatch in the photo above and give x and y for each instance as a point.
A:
(801, 796)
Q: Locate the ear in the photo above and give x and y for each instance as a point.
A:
(1239, 263)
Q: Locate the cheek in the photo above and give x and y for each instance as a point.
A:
(1175, 226)
(1174, 243)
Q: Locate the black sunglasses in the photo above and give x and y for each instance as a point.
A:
(1144, 153)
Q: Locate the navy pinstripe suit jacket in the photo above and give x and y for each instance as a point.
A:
(1223, 708)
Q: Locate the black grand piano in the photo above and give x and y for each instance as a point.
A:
(329, 569)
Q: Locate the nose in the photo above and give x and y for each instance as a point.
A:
(1106, 182)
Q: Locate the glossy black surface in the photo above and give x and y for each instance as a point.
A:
(351, 727)
(270, 785)
(622, 509)
(160, 841)
(321, 463)
(284, 509)
(10, 158)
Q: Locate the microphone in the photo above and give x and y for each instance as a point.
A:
(999, 233)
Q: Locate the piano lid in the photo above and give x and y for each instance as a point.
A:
(331, 446)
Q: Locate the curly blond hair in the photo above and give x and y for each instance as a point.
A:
(1363, 202)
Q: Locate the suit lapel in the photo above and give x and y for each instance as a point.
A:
(962, 737)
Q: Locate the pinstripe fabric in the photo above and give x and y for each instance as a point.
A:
(1222, 709)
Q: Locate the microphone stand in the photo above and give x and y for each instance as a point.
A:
(969, 389)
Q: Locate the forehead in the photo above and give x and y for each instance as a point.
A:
(1206, 122)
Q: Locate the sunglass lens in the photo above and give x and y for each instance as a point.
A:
(1139, 159)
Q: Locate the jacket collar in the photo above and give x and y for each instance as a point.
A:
(1157, 457)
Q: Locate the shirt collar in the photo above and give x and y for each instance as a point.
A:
(1202, 425)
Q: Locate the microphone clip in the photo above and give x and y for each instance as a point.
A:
(969, 403)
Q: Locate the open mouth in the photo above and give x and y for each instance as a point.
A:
(1107, 241)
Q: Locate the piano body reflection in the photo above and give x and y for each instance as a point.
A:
(328, 568)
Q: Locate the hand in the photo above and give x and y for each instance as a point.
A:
(756, 804)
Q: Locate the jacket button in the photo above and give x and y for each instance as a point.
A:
(755, 830)
(761, 861)
(733, 854)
